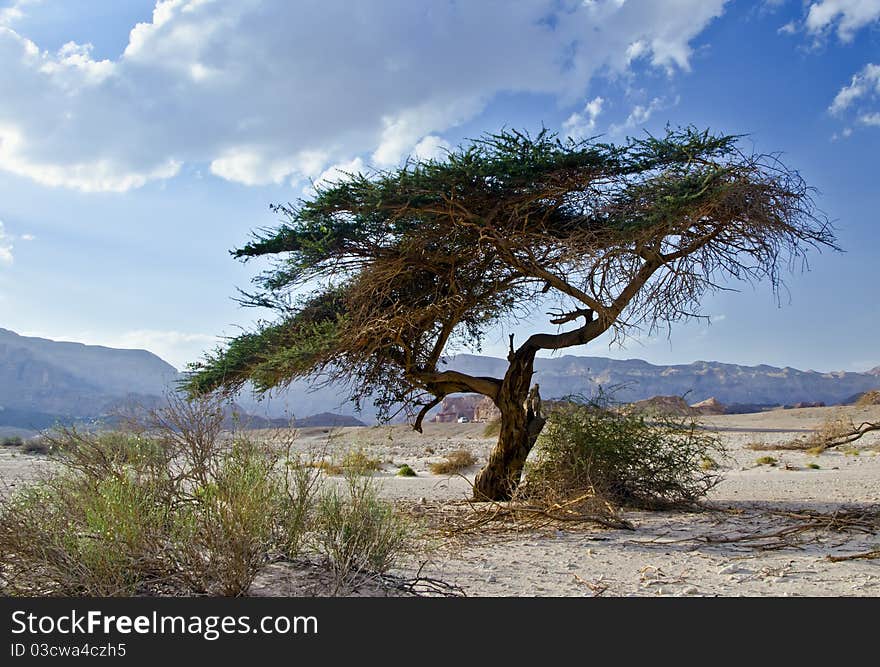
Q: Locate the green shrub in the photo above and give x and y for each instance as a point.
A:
(357, 532)
(71, 535)
(766, 461)
(406, 471)
(11, 441)
(595, 450)
(175, 511)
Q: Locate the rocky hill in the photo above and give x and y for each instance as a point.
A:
(42, 379)
(632, 380)
(53, 377)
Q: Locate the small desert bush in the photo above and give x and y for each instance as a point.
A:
(594, 451)
(766, 461)
(182, 510)
(357, 532)
(453, 462)
(11, 441)
(37, 445)
(406, 471)
(354, 460)
(359, 461)
(814, 466)
(71, 535)
(871, 397)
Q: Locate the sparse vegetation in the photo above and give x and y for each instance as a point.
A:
(11, 441)
(37, 445)
(183, 509)
(602, 455)
(766, 461)
(406, 471)
(492, 428)
(453, 462)
(708, 463)
(871, 397)
(359, 461)
(354, 460)
(356, 531)
(814, 466)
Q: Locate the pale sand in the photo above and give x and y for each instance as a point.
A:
(664, 555)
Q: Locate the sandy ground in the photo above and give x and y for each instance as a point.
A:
(668, 553)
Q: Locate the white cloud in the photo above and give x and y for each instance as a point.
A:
(5, 246)
(15, 11)
(864, 84)
(336, 173)
(28, 237)
(581, 125)
(272, 91)
(862, 96)
(176, 347)
(641, 114)
(431, 147)
(847, 16)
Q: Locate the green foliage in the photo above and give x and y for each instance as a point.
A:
(11, 441)
(186, 509)
(766, 461)
(621, 457)
(408, 262)
(357, 532)
(814, 466)
(406, 471)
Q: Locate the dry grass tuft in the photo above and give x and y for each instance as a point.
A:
(456, 461)
(871, 397)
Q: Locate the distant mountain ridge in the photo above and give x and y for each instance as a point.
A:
(49, 378)
(75, 379)
(635, 379)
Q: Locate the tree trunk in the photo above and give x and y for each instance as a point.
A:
(521, 423)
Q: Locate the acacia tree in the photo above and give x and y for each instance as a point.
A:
(378, 275)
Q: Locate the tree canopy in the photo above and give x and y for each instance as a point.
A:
(380, 274)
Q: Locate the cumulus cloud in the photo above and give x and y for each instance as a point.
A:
(5, 246)
(845, 17)
(272, 91)
(580, 125)
(860, 96)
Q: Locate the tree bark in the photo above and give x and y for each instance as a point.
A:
(521, 423)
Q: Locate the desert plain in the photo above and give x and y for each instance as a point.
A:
(764, 530)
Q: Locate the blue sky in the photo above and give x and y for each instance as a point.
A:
(140, 141)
